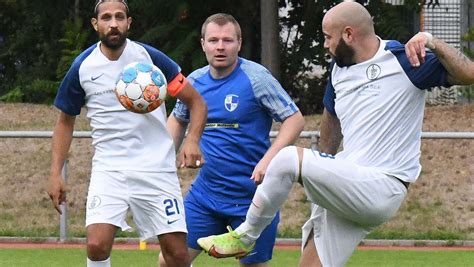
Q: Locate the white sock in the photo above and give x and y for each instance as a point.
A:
(281, 173)
(104, 263)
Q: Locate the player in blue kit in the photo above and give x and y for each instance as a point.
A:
(374, 104)
(243, 99)
(134, 161)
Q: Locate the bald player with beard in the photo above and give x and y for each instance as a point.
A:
(374, 104)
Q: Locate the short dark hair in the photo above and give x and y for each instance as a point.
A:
(221, 19)
(98, 2)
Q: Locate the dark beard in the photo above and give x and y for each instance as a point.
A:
(344, 54)
(115, 44)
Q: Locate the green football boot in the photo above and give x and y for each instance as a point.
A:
(225, 245)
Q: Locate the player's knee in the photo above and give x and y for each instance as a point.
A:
(176, 258)
(97, 251)
(285, 164)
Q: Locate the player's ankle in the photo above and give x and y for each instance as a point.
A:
(248, 240)
(246, 234)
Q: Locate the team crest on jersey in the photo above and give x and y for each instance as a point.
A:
(231, 102)
(373, 71)
(94, 202)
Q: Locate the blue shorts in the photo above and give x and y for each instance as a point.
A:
(205, 217)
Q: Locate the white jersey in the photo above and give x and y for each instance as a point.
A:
(122, 140)
(380, 104)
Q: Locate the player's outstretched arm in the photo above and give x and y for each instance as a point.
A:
(289, 132)
(460, 68)
(190, 154)
(62, 138)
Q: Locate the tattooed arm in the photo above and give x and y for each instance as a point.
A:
(460, 68)
(330, 133)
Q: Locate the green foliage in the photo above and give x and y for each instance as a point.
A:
(287, 232)
(74, 41)
(40, 91)
(13, 96)
(176, 27)
(468, 37)
(41, 39)
(30, 50)
(172, 30)
(393, 22)
(468, 91)
(304, 59)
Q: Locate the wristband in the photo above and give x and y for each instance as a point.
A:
(429, 42)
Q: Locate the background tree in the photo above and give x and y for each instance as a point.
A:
(270, 36)
(304, 59)
(39, 39)
(31, 50)
(176, 27)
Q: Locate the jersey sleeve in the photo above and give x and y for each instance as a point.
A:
(181, 111)
(70, 96)
(329, 97)
(329, 94)
(269, 93)
(171, 70)
(429, 74)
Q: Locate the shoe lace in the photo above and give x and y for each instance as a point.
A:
(233, 233)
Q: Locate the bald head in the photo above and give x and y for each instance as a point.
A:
(349, 34)
(350, 14)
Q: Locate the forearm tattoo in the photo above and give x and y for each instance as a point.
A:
(460, 68)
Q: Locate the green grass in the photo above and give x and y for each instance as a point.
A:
(425, 235)
(137, 258)
(397, 258)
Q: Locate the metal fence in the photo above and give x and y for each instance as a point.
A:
(312, 135)
(443, 19)
(447, 20)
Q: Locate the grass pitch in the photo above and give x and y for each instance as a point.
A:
(137, 258)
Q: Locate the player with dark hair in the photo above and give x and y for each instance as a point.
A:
(243, 100)
(134, 161)
(374, 104)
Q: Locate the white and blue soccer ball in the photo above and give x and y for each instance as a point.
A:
(141, 87)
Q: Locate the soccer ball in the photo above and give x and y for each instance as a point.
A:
(141, 87)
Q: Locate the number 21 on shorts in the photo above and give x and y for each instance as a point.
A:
(171, 206)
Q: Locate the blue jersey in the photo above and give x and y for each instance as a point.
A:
(241, 108)
(380, 104)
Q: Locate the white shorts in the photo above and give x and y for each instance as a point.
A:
(154, 198)
(350, 200)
